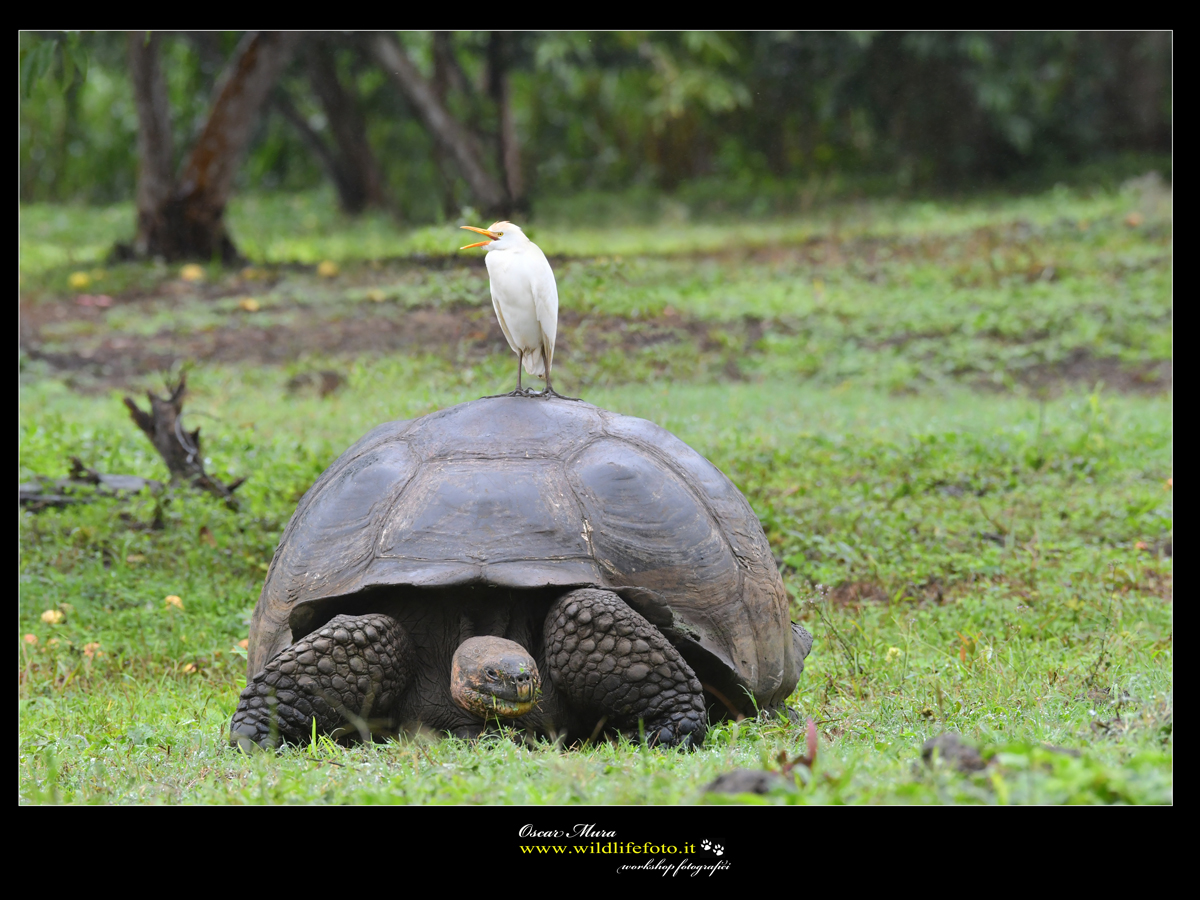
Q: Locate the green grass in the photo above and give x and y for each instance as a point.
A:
(307, 228)
(904, 298)
(995, 562)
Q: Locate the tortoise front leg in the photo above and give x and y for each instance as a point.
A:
(611, 663)
(350, 672)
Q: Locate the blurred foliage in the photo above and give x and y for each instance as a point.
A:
(754, 117)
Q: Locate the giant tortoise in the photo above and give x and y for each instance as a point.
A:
(541, 564)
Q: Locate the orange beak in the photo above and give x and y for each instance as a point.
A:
(494, 235)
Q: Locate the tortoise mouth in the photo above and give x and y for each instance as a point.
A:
(490, 706)
(493, 677)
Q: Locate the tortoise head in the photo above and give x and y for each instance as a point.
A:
(493, 677)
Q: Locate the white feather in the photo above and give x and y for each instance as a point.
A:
(524, 296)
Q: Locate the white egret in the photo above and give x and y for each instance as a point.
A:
(525, 297)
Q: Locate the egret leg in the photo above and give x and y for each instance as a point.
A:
(520, 391)
(551, 392)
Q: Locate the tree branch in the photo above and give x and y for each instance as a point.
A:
(442, 126)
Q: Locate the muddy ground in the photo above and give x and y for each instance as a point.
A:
(72, 338)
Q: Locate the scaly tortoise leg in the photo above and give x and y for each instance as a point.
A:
(611, 662)
(346, 673)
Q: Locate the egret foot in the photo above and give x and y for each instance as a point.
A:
(523, 392)
(549, 390)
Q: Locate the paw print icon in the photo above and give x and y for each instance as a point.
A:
(709, 846)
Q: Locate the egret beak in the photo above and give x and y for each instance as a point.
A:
(491, 234)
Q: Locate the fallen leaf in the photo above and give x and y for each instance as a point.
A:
(375, 295)
(79, 280)
(190, 668)
(244, 643)
(192, 272)
(173, 600)
(249, 304)
(327, 269)
(1134, 219)
(207, 536)
(53, 617)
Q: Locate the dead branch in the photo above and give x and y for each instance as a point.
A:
(179, 449)
(44, 492)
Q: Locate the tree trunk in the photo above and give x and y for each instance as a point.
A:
(183, 218)
(447, 131)
(155, 145)
(508, 149)
(361, 182)
(283, 104)
(447, 75)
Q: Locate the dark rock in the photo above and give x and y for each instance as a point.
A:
(750, 781)
(951, 749)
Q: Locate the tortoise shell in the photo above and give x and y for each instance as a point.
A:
(521, 493)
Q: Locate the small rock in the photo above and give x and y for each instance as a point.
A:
(325, 381)
(750, 781)
(953, 751)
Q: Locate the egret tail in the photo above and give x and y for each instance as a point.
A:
(534, 362)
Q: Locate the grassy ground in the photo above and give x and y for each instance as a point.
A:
(953, 421)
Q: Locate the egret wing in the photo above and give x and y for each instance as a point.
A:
(492, 277)
(545, 304)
